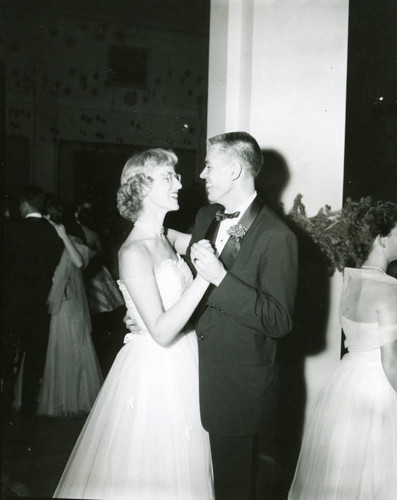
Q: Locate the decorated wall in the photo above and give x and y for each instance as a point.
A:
(61, 89)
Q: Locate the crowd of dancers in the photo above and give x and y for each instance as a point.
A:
(56, 286)
(179, 414)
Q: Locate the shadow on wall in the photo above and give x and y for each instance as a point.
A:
(311, 313)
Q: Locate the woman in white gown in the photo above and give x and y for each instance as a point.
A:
(143, 439)
(349, 449)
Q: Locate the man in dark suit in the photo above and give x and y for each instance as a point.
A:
(31, 255)
(247, 308)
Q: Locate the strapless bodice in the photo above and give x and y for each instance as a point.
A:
(172, 278)
(364, 336)
(368, 311)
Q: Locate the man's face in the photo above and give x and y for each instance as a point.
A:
(218, 175)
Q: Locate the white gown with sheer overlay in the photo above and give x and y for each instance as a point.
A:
(349, 449)
(143, 439)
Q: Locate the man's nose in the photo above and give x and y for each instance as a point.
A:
(203, 174)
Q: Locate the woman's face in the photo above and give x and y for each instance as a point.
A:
(165, 187)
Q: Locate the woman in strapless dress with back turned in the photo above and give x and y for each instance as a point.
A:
(349, 449)
(143, 439)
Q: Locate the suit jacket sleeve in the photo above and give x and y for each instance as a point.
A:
(193, 239)
(267, 307)
(203, 219)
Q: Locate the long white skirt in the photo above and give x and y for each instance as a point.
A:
(143, 439)
(349, 448)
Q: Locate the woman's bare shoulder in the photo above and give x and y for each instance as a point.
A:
(134, 251)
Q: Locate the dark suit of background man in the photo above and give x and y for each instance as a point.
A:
(31, 255)
(248, 308)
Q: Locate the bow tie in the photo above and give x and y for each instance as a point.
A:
(220, 215)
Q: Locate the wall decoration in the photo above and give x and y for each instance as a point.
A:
(63, 80)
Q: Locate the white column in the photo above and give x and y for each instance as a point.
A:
(230, 65)
(278, 70)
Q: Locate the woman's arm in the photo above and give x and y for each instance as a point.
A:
(74, 254)
(136, 271)
(178, 240)
(389, 362)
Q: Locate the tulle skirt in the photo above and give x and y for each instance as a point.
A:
(143, 439)
(349, 448)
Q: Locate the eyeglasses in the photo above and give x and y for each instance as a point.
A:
(171, 177)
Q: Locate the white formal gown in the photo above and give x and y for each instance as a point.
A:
(349, 449)
(143, 439)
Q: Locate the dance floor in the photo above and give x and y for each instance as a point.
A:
(35, 452)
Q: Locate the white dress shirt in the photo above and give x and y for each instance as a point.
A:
(34, 214)
(223, 236)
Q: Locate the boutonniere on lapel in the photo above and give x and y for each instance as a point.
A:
(237, 232)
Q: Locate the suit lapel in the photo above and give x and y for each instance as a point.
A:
(232, 247)
(210, 235)
(212, 230)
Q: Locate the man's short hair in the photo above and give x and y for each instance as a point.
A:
(241, 146)
(34, 196)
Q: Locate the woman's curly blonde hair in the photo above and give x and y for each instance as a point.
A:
(136, 180)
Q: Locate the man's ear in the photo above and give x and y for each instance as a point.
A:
(237, 170)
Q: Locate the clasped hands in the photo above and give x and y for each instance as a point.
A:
(207, 264)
